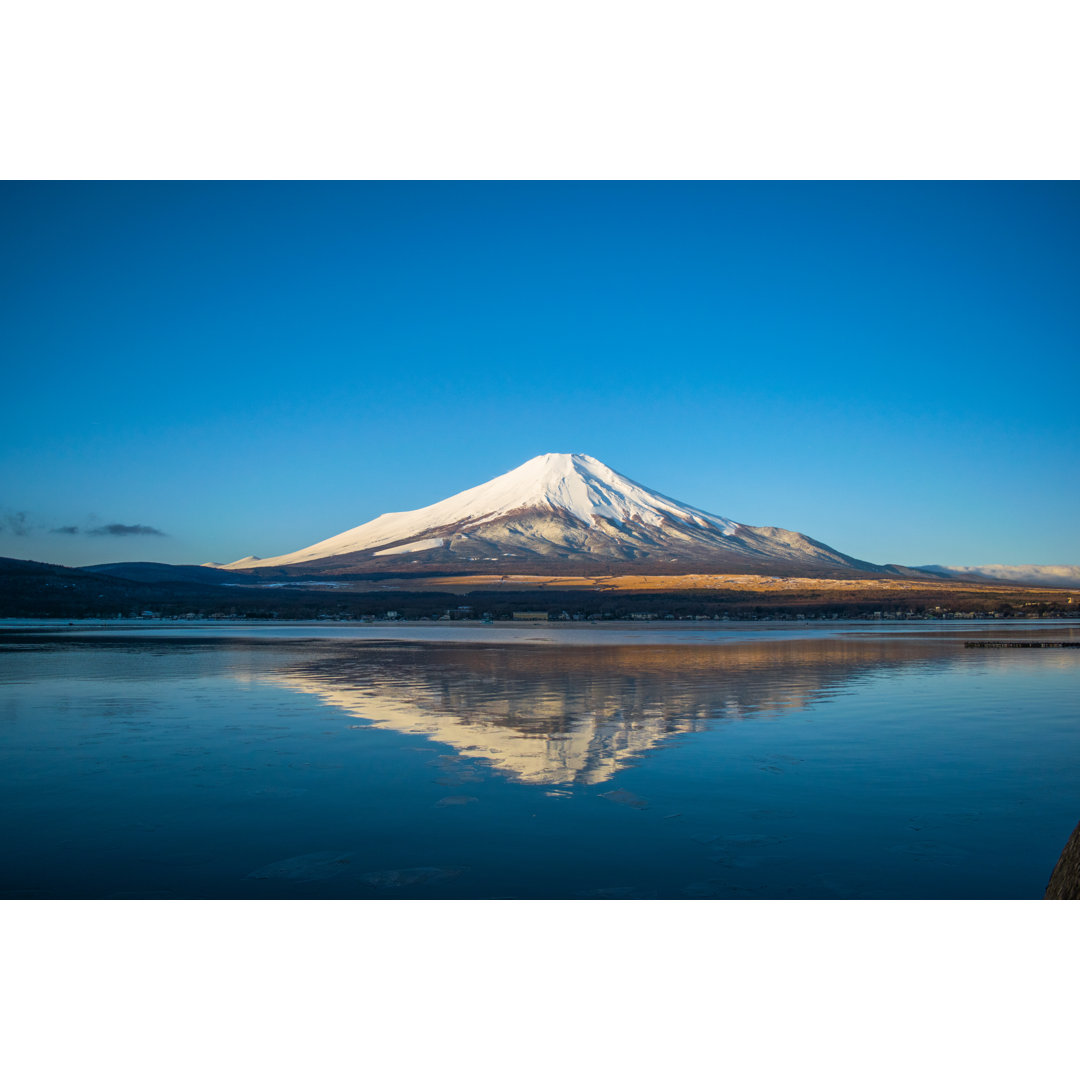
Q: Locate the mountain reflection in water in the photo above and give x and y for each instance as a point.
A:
(562, 715)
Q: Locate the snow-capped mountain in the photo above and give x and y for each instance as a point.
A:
(559, 508)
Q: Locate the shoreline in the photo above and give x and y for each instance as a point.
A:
(547, 633)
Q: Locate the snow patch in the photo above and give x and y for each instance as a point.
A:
(419, 545)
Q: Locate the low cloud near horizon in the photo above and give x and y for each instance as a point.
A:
(20, 523)
(115, 529)
(15, 522)
(125, 530)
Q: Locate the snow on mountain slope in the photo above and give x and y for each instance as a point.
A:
(558, 506)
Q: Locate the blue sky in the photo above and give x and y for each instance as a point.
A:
(249, 368)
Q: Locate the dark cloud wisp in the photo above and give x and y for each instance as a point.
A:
(19, 523)
(124, 530)
(115, 529)
(15, 522)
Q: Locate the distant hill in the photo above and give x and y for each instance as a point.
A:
(44, 590)
(162, 572)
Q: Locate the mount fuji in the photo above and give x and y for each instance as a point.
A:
(559, 514)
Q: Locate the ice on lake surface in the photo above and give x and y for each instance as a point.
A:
(839, 761)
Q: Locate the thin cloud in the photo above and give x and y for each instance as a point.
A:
(15, 522)
(19, 523)
(125, 530)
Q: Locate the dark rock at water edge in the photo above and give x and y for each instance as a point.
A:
(1065, 880)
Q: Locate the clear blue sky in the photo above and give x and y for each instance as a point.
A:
(250, 368)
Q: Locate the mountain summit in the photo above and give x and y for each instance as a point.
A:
(555, 509)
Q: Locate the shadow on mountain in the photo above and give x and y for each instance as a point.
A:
(560, 715)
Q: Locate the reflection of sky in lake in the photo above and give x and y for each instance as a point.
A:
(842, 765)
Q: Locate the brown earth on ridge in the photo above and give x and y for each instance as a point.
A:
(733, 586)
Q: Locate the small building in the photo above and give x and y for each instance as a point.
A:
(534, 615)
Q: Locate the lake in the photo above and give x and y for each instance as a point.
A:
(834, 760)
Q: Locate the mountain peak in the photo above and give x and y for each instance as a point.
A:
(548, 470)
(573, 486)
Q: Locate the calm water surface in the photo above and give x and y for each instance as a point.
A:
(743, 762)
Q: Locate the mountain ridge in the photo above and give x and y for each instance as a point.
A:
(556, 509)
